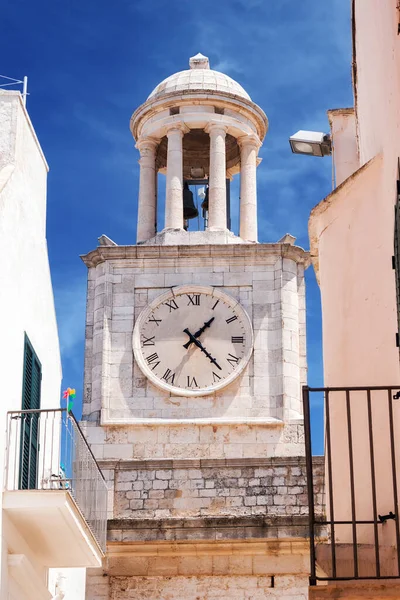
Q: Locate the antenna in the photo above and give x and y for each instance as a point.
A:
(11, 81)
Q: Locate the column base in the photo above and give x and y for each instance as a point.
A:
(167, 229)
(249, 241)
(180, 237)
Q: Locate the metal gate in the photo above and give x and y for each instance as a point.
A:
(359, 535)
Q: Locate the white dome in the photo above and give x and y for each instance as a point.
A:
(199, 78)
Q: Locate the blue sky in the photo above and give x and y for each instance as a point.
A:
(90, 64)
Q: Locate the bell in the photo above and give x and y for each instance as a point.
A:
(204, 204)
(189, 209)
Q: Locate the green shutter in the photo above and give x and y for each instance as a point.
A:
(29, 446)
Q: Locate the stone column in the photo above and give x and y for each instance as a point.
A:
(147, 209)
(249, 146)
(174, 192)
(217, 180)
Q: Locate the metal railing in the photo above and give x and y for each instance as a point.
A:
(360, 536)
(46, 450)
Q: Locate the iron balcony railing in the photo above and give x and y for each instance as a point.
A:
(359, 538)
(46, 450)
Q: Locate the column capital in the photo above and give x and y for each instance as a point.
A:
(230, 173)
(249, 140)
(215, 126)
(180, 127)
(147, 145)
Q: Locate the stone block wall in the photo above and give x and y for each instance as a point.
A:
(214, 584)
(215, 489)
(234, 528)
(209, 587)
(182, 489)
(97, 585)
(195, 441)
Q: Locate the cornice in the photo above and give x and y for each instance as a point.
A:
(273, 531)
(246, 251)
(210, 522)
(207, 463)
(341, 111)
(208, 97)
(208, 548)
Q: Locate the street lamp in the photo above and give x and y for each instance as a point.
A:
(313, 143)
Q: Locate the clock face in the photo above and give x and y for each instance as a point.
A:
(193, 340)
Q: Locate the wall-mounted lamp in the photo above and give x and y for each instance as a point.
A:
(314, 143)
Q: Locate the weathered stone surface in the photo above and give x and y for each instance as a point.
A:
(197, 441)
(259, 527)
(218, 491)
(229, 587)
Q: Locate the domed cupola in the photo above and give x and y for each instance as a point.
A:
(201, 78)
(198, 126)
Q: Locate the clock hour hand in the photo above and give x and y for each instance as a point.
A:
(199, 332)
(200, 345)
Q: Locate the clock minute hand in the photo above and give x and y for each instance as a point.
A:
(199, 332)
(200, 345)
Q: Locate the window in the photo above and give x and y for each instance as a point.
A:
(29, 445)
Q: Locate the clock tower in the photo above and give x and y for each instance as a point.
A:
(194, 361)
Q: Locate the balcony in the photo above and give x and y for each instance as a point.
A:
(357, 542)
(54, 495)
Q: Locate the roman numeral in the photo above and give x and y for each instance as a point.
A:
(231, 319)
(172, 305)
(148, 341)
(193, 299)
(233, 360)
(152, 359)
(237, 339)
(216, 377)
(152, 319)
(191, 382)
(215, 304)
(169, 376)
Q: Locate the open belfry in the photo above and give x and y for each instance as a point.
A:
(195, 357)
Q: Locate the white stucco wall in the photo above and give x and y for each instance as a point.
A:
(26, 295)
